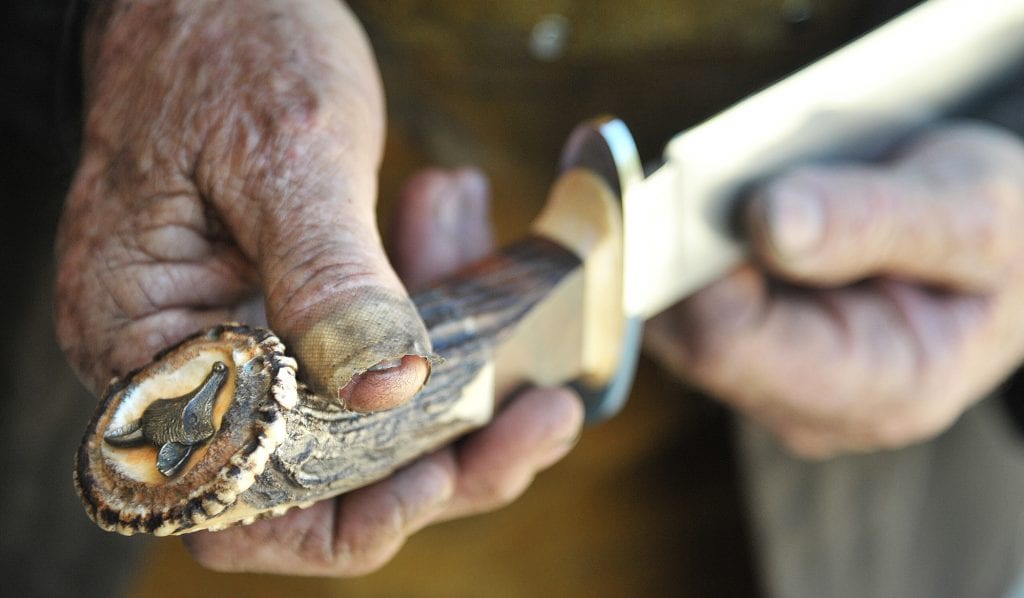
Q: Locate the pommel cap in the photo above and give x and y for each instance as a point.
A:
(174, 443)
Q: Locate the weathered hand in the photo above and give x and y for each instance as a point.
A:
(229, 167)
(881, 301)
(229, 170)
(441, 225)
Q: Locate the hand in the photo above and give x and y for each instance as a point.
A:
(229, 167)
(441, 225)
(228, 171)
(881, 302)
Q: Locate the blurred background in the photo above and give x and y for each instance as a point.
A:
(649, 503)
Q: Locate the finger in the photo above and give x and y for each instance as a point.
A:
(442, 222)
(944, 214)
(332, 295)
(291, 170)
(813, 438)
(827, 371)
(347, 536)
(743, 342)
(497, 463)
(692, 339)
(283, 155)
(361, 531)
(133, 281)
(732, 340)
(305, 216)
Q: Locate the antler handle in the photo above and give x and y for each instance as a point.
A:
(276, 444)
(216, 431)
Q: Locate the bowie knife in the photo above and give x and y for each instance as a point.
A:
(216, 431)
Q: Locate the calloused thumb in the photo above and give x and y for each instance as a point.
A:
(351, 325)
(335, 301)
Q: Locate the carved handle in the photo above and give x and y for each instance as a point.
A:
(276, 444)
(330, 451)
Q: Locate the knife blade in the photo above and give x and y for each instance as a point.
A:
(851, 104)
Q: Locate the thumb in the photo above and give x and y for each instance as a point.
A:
(330, 292)
(335, 299)
(945, 213)
(311, 230)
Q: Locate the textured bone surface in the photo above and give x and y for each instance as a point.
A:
(277, 444)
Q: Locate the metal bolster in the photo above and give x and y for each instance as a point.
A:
(606, 147)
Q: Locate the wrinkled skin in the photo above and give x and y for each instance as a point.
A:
(221, 162)
(228, 172)
(442, 224)
(881, 301)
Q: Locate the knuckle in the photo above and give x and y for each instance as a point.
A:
(209, 556)
(804, 445)
(892, 429)
(315, 546)
(361, 562)
(358, 546)
(898, 432)
(310, 273)
(277, 107)
(295, 112)
(705, 349)
(355, 557)
(495, 492)
(922, 424)
(998, 207)
(345, 560)
(707, 336)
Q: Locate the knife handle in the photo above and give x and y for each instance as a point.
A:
(519, 317)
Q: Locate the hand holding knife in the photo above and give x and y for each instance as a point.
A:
(492, 325)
